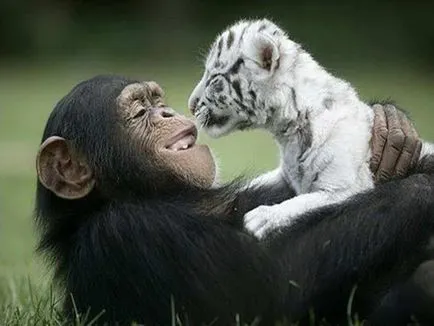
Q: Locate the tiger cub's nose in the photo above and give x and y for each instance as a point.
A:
(193, 105)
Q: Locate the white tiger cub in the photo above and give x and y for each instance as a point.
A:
(256, 77)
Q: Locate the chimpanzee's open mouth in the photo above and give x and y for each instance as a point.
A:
(183, 140)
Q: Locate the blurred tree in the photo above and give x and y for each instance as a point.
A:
(371, 28)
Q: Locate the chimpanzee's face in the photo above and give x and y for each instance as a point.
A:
(115, 135)
(163, 135)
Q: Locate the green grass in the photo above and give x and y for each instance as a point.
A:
(27, 95)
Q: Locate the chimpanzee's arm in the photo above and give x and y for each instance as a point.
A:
(375, 240)
(257, 193)
(131, 259)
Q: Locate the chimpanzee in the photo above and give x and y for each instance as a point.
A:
(130, 213)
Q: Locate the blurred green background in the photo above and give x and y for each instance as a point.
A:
(385, 49)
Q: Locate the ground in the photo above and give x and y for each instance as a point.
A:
(28, 94)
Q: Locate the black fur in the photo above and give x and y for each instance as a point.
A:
(242, 35)
(237, 88)
(230, 40)
(136, 242)
(236, 67)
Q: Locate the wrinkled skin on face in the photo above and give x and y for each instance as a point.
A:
(134, 141)
(165, 135)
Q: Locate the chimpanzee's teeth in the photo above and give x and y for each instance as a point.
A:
(183, 144)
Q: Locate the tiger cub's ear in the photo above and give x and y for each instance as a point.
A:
(263, 49)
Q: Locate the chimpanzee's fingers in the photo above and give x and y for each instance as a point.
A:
(379, 136)
(394, 144)
(411, 150)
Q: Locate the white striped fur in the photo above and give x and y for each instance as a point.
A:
(256, 77)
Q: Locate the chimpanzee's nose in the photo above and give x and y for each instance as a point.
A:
(164, 112)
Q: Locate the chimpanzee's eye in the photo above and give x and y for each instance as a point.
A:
(139, 114)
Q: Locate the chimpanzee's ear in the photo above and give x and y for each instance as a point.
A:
(62, 170)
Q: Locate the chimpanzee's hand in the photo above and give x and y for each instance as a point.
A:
(395, 144)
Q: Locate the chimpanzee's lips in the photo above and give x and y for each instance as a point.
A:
(185, 139)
